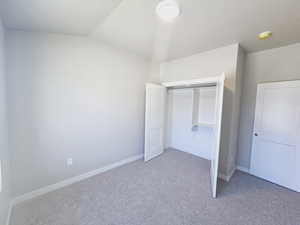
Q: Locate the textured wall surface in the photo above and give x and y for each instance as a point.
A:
(71, 97)
(279, 64)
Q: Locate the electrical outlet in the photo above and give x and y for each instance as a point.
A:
(69, 161)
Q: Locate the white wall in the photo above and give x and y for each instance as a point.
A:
(277, 64)
(180, 134)
(4, 156)
(213, 63)
(70, 97)
(154, 72)
(235, 132)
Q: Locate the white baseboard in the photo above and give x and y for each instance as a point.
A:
(243, 169)
(223, 176)
(73, 180)
(227, 177)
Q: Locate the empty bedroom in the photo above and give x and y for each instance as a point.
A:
(149, 112)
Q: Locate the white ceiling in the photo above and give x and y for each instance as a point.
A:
(132, 24)
(59, 16)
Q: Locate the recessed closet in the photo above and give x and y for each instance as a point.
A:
(185, 115)
(191, 120)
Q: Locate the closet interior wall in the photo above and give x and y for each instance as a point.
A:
(190, 120)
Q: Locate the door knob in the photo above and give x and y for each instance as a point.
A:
(256, 134)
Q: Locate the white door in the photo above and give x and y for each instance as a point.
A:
(276, 137)
(154, 120)
(217, 134)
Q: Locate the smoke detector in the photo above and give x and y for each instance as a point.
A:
(264, 35)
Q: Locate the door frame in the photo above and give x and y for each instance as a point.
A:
(195, 82)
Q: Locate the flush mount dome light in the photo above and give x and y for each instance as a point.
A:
(168, 10)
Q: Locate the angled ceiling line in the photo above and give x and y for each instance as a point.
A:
(109, 14)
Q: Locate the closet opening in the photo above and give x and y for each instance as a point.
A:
(186, 115)
(190, 119)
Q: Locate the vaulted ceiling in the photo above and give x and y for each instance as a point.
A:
(132, 24)
(59, 16)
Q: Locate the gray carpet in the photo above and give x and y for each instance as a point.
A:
(172, 189)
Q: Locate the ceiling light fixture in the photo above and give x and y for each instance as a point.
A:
(265, 35)
(168, 10)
